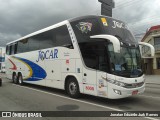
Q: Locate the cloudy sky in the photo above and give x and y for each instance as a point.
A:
(21, 17)
(139, 14)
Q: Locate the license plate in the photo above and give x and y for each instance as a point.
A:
(135, 92)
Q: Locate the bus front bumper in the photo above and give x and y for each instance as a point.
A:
(117, 92)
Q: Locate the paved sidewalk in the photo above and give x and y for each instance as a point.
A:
(153, 79)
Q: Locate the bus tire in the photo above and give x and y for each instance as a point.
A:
(73, 88)
(20, 79)
(14, 78)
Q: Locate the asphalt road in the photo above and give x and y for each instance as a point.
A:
(36, 98)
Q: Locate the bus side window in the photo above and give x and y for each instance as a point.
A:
(33, 43)
(62, 37)
(22, 46)
(88, 54)
(7, 50)
(13, 49)
(10, 49)
(44, 40)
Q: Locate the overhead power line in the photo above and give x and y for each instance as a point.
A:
(126, 3)
(129, 3)
(144, 21)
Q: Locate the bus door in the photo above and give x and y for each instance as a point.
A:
(103, 66)
(96, 60)
(102, 86)
(89, 81)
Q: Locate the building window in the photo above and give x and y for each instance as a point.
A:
(158, 63)
(157, 40)
(157, 43)
(145, 49)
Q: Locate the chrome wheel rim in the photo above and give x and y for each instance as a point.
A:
(20, 79)
(72, 88)
(14, 78)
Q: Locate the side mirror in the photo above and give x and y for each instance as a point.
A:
(112, 39)
(147, 50)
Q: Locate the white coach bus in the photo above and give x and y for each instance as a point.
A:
(95, 55)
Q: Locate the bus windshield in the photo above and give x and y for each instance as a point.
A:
(127, 63)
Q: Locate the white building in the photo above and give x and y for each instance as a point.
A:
(152, 36)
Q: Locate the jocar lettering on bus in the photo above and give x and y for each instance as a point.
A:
(118, 24)
(48, 54)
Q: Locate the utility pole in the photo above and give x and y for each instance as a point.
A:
(106, 7)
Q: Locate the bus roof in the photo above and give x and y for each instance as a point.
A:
(90, 16)
(57, 25)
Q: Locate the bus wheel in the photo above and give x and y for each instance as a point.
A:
(14, 78)
(20, 79)
(73, 88)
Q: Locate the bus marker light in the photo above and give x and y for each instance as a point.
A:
(67, 61)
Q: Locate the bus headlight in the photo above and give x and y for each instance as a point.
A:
(118, 83)
(117, 92)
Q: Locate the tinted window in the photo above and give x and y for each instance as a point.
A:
(61, 36)
(22, 46)
(33, 44)
(95, 55)
(55, 37)
(10, 49)
(13, 49)
(46, 40)
(7, 50)
(42, 41)
(52, 38)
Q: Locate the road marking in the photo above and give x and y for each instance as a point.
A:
(81, 101)
(149, 96)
